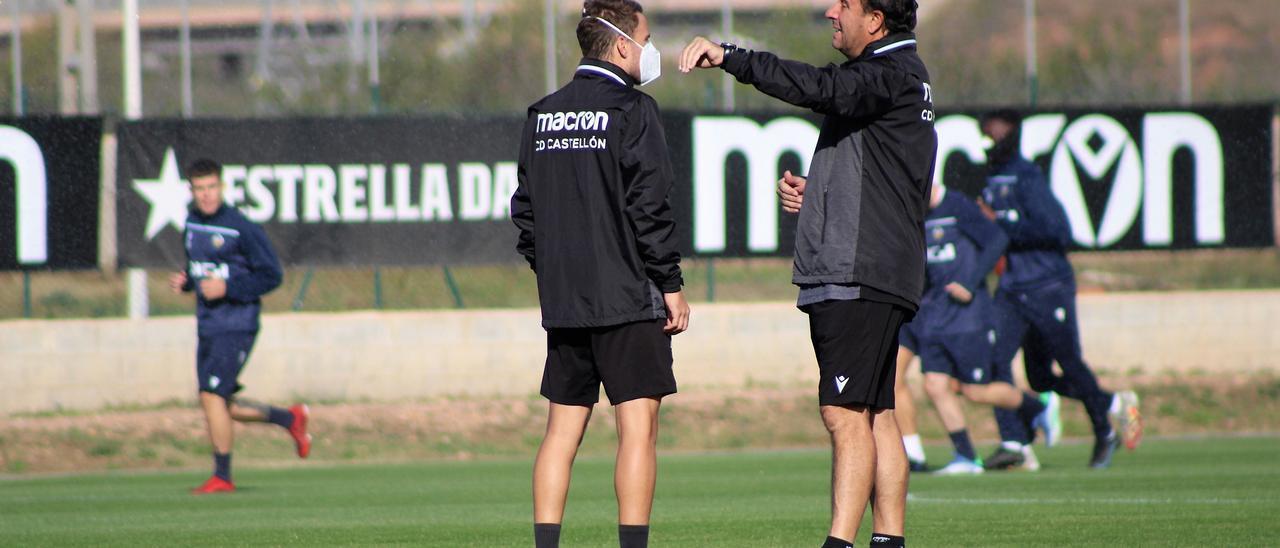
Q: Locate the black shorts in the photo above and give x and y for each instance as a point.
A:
(219, 360)
(856, 343)
(632, 360)
(965, 357)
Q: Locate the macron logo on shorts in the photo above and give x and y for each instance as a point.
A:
(214, 381)
(840, 382)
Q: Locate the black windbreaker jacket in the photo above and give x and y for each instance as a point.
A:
(593, 205)
(862, 220)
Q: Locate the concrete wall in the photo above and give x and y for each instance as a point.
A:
(88, 364)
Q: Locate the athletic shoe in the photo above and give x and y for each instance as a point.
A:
(213, 485)
(1127, 418)
(1050, 420)
(301, 439)
(1004, 459)
(960, 466)
(1103, 449)
(1029, 461)
(918, 465)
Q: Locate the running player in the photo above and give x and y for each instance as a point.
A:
(953, 333)
(230, 266)
(1036, 302)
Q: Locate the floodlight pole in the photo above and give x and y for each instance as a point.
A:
(15, 56)
(88, 59)
(1184, 20)
(1033, 70)
(139, 307)
(184, 39)
(549, 45)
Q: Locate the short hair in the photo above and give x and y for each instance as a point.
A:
(899, 15)
(595, 37)
(203, 167)
(1008, 116)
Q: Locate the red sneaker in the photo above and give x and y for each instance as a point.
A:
(215, 484)
(299, 429)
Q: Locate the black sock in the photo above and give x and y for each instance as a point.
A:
(222, 465)
(833, 542)
(281, 417)
(1030, 408)
(633, 536)
(964, 447)
(546, 535)
(887, 541)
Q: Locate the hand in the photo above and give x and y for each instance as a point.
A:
(701, 53)
(213, 288)
(791, 191)
(958, 293)
(177, 281)
(986, 210)
(677, 313)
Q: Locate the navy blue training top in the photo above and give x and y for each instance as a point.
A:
(231, 247)
(1037, 226)
(962, 246)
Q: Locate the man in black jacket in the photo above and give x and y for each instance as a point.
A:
(859, 252)
(596, 226)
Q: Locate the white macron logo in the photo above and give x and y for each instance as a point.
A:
(840, 382)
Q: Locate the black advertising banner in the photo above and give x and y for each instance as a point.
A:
(400, 191)
(49, 197)
(1141, 179)
(388, 191)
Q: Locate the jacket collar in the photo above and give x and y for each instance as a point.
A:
(604, 69)
(889, 44)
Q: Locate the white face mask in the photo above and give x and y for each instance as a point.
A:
(650, 57)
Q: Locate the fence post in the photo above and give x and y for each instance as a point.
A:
(302, 291)
(26, 294)
(377, 288)
(453, 287)
(711, 279)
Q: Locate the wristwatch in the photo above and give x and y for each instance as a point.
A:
(729, 49)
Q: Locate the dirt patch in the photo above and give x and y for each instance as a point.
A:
(468, 428)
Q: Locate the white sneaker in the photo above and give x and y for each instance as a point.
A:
(960, 466)
(1126, 418)
(1050, 420)
(1030, 463)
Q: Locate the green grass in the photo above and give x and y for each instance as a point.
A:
(1220, 492)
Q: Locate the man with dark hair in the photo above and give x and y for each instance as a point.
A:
(593, 209)
(1035, 304)
(859, 251)
(230, 266)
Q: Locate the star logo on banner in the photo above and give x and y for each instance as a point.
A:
(168, 195)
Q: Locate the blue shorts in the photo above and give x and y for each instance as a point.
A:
(219, 359)
(966, 357)
(907, 338)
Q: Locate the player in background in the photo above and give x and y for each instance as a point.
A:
(904, 411)
(593, 210)
(230, 266)
(953, 332)
(1036, 302)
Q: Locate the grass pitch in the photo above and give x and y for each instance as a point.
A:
(1222, 492)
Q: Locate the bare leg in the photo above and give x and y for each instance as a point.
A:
(998, 394)
(247, 412)
(945, 400)
(853, 466)
(218, 418)
(551, 470)
(636, 471)
(905, 409)
(889, 505)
